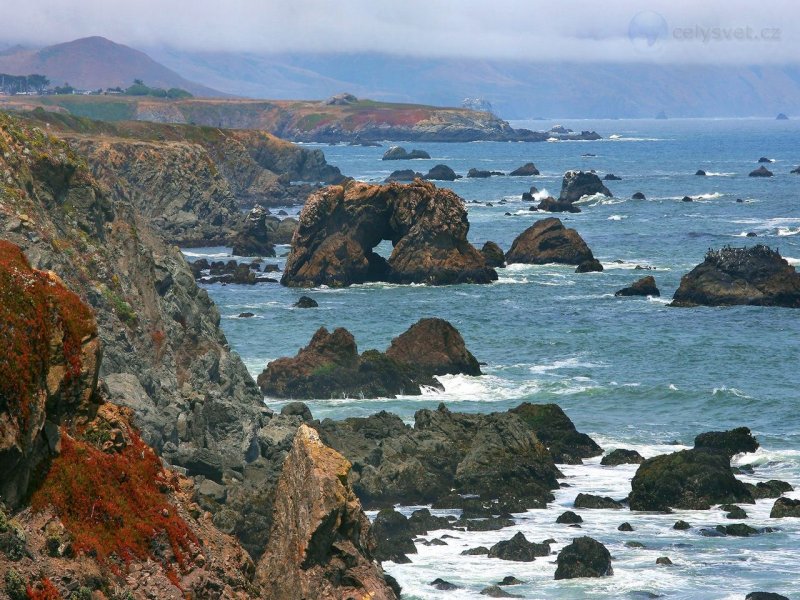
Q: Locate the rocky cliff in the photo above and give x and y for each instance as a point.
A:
(340, 119)
(192, 182)
(164, 359)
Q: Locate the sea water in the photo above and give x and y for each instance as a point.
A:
(631, 372)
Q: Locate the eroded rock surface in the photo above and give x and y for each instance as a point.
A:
(341, 225)
(548, 241)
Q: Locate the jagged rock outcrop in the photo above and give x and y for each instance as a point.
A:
(556, 431)
(577, 184)
(730, 276)
(433, 347)
(320, 527)
(785, 507)
(259, 233)
(690, 479)
(474, 173)
(584, 557)
(48, 368)
(548, 241)
(330, 365)
(340, 226)
(730, 443)
(492, 455)
(646, 286)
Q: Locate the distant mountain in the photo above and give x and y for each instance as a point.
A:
(516, 90)
(95, 62)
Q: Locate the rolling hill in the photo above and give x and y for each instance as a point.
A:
(95, 62)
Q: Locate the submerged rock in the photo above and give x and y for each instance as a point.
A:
(754, 276)
(519, 549)
(765, 595)
(577, 184)
(525, 170)
(548, 241)
(690, 479)
(584, 557)
(700, 173)
(590, 266)
(494, 591)
(638, 196)
(444, 585)
(569, 518)
(341, 225)
(611, 177)
(646, 286)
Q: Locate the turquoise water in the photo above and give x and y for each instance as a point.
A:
(631, 372)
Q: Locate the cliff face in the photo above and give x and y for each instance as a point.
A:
(165, 360)
(346, 119)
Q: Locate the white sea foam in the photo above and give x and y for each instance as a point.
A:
(715, 174)
(541, 194)
(599, 199)
(786, 231)
(617, 217)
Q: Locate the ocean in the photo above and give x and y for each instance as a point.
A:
(630, 372)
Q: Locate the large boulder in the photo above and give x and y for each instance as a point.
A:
(646, 286)
(755, 276)
(48, 368)
(492, 455)
(548, 241)
(319, 525)
(584, 557)
(730, 443)
(689, 479)
(785, 507)
(442, 173)
(519, 549)
(493, 254)
(400, 153)
(622, 456)
(525, 170)
(330, 366)
(577, 184)
(340, 226)
(433, 347)
(556, 431)
(393, 536)
(761, 171)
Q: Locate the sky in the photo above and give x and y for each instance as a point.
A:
(673, 32)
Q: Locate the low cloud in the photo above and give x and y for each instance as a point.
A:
(714, 32)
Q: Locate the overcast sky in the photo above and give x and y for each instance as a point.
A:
(582, 30)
